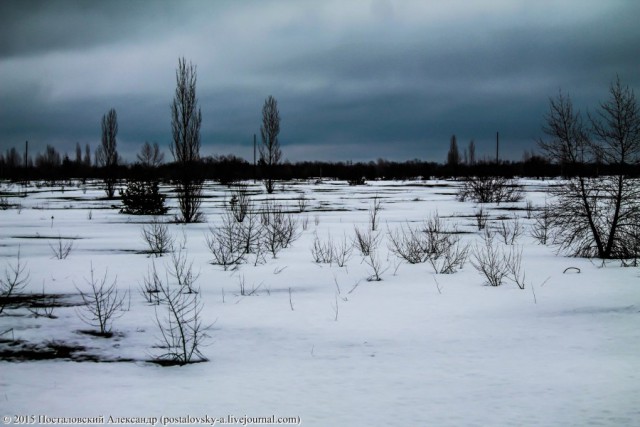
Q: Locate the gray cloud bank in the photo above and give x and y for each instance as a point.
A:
(354, 80)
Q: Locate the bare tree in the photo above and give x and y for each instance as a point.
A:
(453, 155)
(472, 152)
(270, 153)
(78, 154)
(150, 155)
(186, 118)
(107, 153)
(87, 155)
(595, 216)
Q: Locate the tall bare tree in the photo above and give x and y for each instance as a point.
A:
(150, 155)
(596, 216)
(107, 152)
(472, 152)
(270, 153)
(87, 155)
(453, 155)
(186, 118)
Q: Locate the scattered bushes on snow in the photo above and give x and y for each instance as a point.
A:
(431, 242)
(490, 189)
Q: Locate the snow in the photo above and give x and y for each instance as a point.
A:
(413, 349)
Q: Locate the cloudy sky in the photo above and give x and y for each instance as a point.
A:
(354, 79)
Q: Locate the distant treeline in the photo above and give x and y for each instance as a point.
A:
(227, 169)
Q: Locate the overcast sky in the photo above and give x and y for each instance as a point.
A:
(354, 79)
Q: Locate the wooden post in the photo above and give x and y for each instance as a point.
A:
(497, 147)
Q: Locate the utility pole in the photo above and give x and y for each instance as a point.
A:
(26, 154)
(497, 147)
(255, 166)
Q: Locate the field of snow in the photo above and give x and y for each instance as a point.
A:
(319, 342)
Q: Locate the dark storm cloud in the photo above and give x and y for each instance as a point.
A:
(38, 26)
(354, 80)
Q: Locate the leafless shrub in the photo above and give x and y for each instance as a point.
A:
(529, 209)
(488, 189)
(631, 236)
(409, 244)
(316, 220)
(240, 203)
(375, 266)
(62, 248)
(365, 241)
(342, 251)
(182, 271)
(451, 259)
(280, 229)
(445, 251)
(489, 260)
(156, 235)
(329, 251)
(322, 252)
(4, 203)
(150, 289)
(305, 223)
(43, 306)
(227, 243)
(182, 333)
(103, 302)
(302, 202)
(374, 213)
(251, 233)
(541, 227)
(244, 291)
(513, 261)
(482, 218)
(510, 230)
(13, 281)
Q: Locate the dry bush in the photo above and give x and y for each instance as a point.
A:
(62, 248)
(489, 260)
(482, 218)
(157, 237)
(102, 303)
(510, 230)
(226, 242)
(431, 242)
(280, 229)
(542, 224)
(374, 213)
(14, 280)
(490, 189)
(365, 241)
(240, 203)
(409, 244)
(182, 333)
(330, 251)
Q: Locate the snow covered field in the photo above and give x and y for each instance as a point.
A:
(320, 342)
